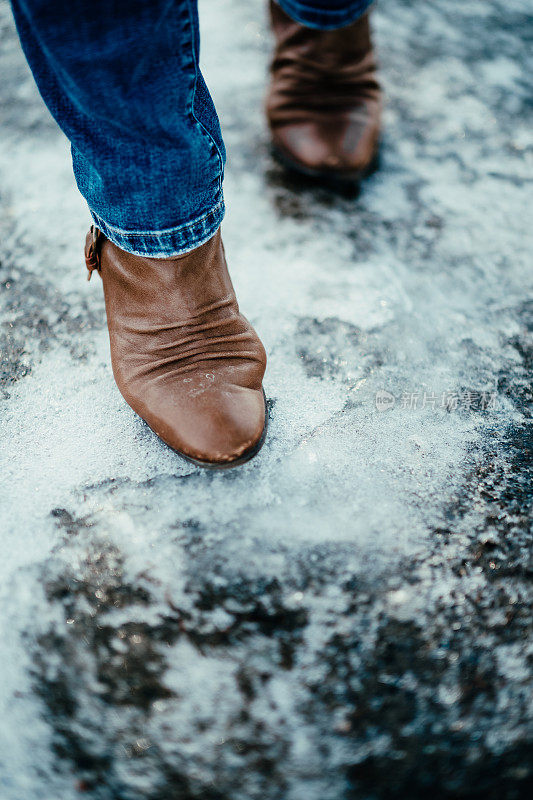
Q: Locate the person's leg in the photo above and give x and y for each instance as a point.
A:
(324, 101)
(122, 79)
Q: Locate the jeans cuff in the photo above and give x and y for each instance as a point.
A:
(169, 241)
(324, 19)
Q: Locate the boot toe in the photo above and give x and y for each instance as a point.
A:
(329, 146)
(215, 427)
(229, 433)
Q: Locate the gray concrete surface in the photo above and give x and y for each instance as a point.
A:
(347, 617)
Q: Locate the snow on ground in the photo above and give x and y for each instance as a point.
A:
(347, 615)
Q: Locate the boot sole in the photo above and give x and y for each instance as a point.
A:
(342, 183)
(220, 465)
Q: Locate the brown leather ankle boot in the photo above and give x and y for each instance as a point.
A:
(324, 102)
(183, 356)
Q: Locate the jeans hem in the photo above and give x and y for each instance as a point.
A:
(321, 18)
(168, 242)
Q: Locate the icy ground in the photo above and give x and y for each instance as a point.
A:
(347, 616)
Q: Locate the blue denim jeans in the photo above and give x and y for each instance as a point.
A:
(325, 14)
(122, 79)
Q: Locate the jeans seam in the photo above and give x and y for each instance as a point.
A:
(200, 125)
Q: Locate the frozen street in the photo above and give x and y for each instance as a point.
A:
(349, 615)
